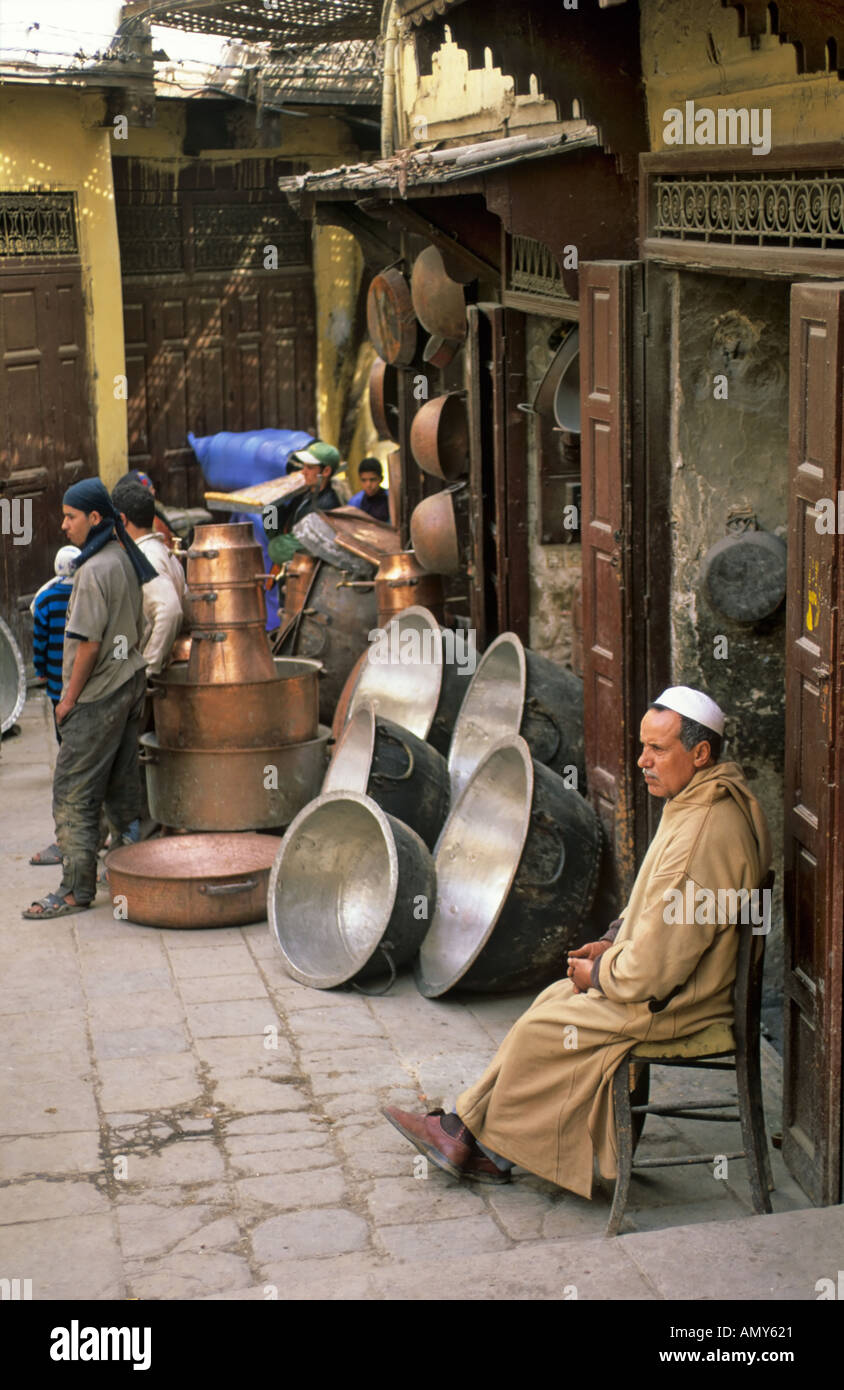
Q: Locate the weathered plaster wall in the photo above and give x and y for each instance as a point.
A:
(554, 569)
(691, 51)
(53, 139)
(724, 453)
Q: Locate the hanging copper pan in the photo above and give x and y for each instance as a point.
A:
(433, 533)
(437, 299)
(439, 437)
(390, 318)
(440, 352)
(384, 399)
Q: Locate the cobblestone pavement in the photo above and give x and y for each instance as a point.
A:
(182, 1120)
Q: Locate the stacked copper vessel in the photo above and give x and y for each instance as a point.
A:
(237, 742)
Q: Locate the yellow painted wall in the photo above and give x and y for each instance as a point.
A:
(52, 141)
(691, 51)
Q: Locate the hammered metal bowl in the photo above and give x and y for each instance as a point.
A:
(344, 892)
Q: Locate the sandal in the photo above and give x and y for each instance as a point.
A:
(53, 905)
(51, 855)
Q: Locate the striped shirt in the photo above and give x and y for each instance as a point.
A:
(48, 635)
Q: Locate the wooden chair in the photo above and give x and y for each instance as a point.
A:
(706, 1049)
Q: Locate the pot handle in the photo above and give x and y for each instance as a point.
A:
(408, 772)
(209, 597)
(198, 636)
(203, 554)
(156, 692)
(401, 583)
(146, 757)
(543, 822)
(356, 584)
(217, 890)
(386, 949)
(536, 708)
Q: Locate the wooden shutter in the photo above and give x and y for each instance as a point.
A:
(813, 849)
(610, 319)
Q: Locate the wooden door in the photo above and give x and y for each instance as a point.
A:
(45, 425)
(814, 845)
(613, 527)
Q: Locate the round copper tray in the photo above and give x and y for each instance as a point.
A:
(212, 880)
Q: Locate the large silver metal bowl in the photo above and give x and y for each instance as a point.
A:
(12, 679)
(409, 680)
(351, 892)
(517, 866)
(517, 691)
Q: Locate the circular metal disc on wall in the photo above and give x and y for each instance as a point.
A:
(744, 576)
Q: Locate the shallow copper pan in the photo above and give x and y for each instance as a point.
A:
(437, 299)
(433, 533)
(390, 319)
(384, 399)
(194, 880)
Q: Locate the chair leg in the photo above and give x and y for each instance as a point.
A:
(752, 1115)
(639, 1095)
(624, 1144)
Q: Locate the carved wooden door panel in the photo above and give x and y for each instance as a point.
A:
(814, 843)
(45, 425)
(611, 527)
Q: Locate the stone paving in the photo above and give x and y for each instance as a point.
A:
(181, 1120)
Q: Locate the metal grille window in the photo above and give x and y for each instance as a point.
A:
(534, 270)
(38, 224)
(230, 237)
(150, 238)
(799, 209)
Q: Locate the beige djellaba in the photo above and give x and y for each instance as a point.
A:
(544, 1102)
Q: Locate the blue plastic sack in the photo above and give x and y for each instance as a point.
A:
(232, 461)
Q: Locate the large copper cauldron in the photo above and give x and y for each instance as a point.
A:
(230, 656)
(517, 868)
(345, 890)
(251, 714)
(401, 582)
(227, 788)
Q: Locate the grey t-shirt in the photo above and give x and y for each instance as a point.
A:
(106, 607)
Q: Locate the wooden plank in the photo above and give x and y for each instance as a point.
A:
(477, 570)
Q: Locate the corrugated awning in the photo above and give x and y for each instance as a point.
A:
(265, 21)
(418, 169)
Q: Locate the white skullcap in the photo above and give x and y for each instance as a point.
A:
(65, 558)
(694, 705)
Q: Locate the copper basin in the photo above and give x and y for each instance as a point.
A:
(433, 533)
(252, 714)
(194, 880)
(439, 437)
(437, 299)
(230, 656)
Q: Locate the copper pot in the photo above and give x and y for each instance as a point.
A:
(297, 580)
(401, 582)
(226, 605)
(384, 399)
(433, 533)
(437, 299)
(224, 554)
(230, 656)
(250, 714)
(180, 650)
(231, 788)
(194, 880)
(439, 437)
(390, 319)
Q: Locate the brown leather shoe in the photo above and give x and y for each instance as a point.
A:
(454, 1156)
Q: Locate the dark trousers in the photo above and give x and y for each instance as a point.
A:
(96, 768)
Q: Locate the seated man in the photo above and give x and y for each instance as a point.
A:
(372, 498)
(545, 1102)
